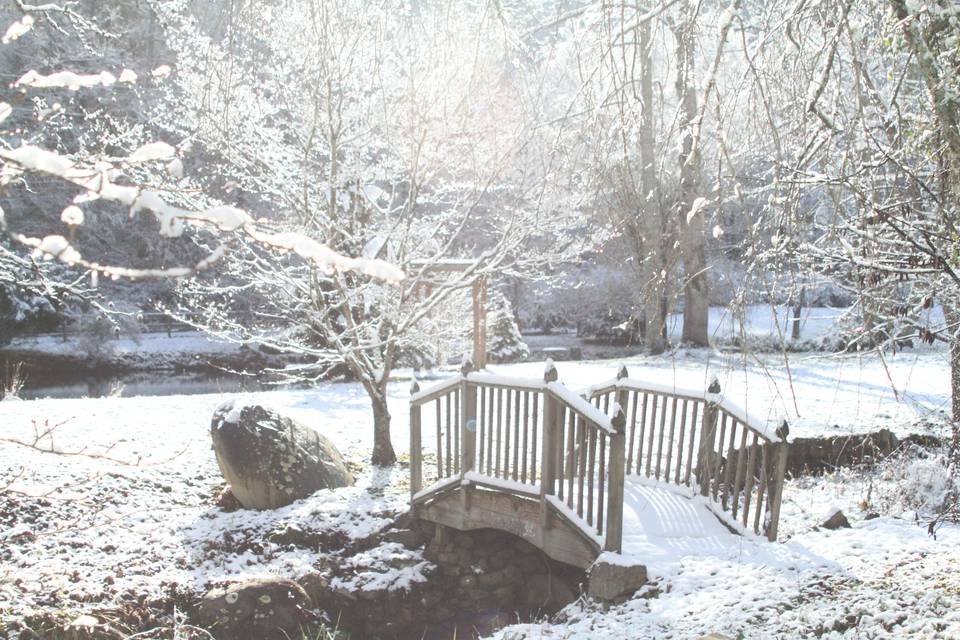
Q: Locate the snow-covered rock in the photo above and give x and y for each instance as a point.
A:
(835, 519)
(270, 460)
(267, 607)
(611, 580)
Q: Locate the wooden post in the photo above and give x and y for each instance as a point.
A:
(416, 447)
(616, 473)
(468, 418)
(707, 436)
(623, 396)
(468, 430)
(548, 451)
(479, 291)
(779, 476)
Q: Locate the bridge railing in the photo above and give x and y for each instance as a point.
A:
(701, 439)
(583, 472)
(527, 437)
(540, 440)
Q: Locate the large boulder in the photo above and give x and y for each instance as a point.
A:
(259, 608)
(269, 460)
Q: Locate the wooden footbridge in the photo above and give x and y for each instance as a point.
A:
(549, 465)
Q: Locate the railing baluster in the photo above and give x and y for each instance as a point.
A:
(670, 442)
(491, 413)
(653, 421)
(632, 428)
(762, 488)
(719, 455)
(534, 475)
(571, 463)
(516, 435)
(526, 437)
(562, 445)
(481, 426)
(591, 453)
(457, 426)
(601, 481)
(751, 473)
(440, 475)
(683, 428)
(506, 432)
(729, 464)
(693, 438)
(663, 428)
(738, 479)
(581, 463)
(643, 429)
(497, 468)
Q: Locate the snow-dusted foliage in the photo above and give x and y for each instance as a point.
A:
(26, 297)
(504, 342)
(384, 134)
(123, 168)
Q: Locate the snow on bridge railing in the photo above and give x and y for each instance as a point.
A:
(522, 436)
(574, 451)
(698, 437)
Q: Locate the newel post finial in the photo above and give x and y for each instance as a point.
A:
(714, 387)
(550, 371)
(619, 419)
(622, 372)
(466, 366)
(783, 431)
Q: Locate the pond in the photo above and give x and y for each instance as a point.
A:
(66, 384)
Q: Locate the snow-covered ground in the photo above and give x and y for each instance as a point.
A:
(149, 525)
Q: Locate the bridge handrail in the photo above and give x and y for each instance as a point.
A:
(741, 469)
(730, 405)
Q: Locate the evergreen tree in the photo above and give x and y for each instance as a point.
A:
(505, 343)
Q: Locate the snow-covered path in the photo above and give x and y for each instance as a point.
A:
(663, 523)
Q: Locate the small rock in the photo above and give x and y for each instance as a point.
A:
(227, 501)
(253, 609)
(610, 581)
(835, 520)
(873, 515)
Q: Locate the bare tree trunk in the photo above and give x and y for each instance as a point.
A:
(649, 209)
(955, 378)
(696, 305)
(383, 453)
(797, 310)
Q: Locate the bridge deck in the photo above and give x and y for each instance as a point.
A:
(661, 524)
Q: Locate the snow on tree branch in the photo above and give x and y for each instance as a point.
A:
(97, 181)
